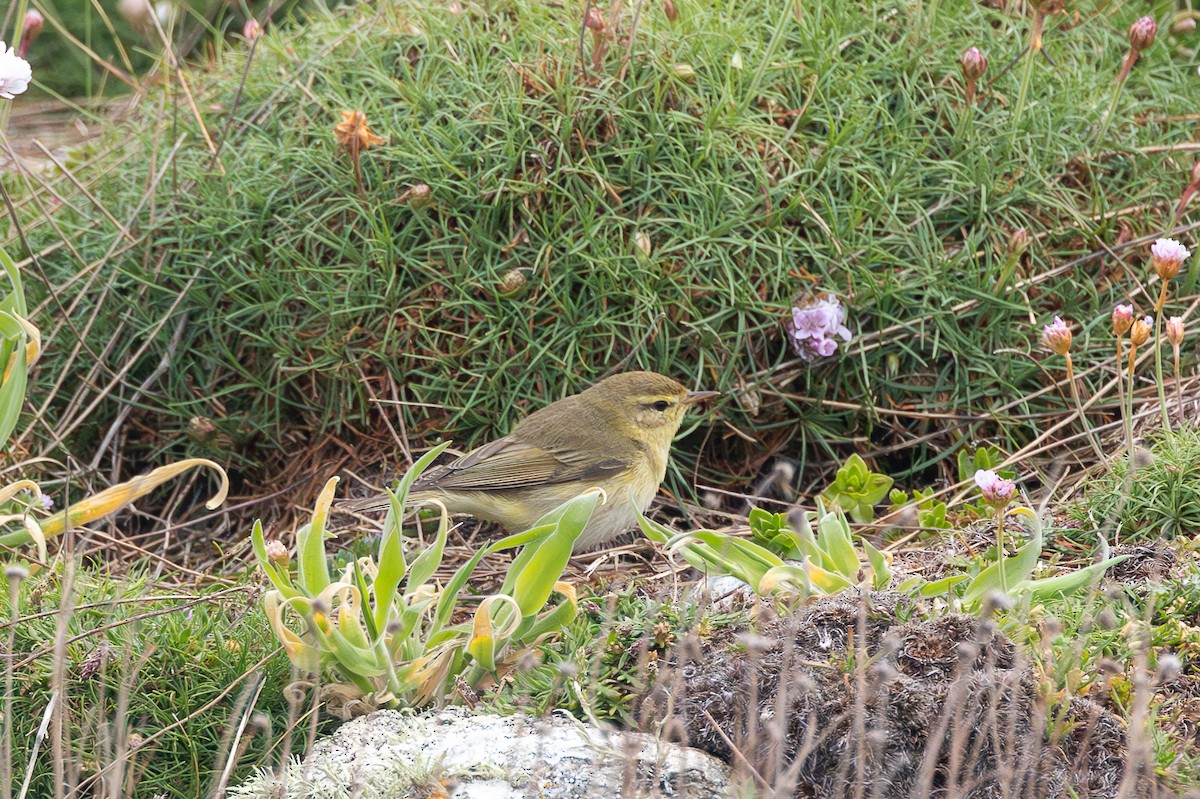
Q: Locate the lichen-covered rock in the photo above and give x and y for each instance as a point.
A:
(457, 755)
(861, 696)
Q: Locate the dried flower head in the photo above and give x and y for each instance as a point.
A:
(352, 132)
(1122, 319)
(1057, 336)
(1166, 258)
(815, 327)
(15, 73)
(251, 30)
(997, 491)
(1139, 334)
(1142, 33)
(1175, 330)
(973, 64)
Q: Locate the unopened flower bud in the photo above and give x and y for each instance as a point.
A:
(418, 196)
(1175, 330)
(1139, 334)
(511, 283)
(1057, 336)
(277, 553)
(251, 30)
(685, 72)
(1122, 319)
(594, 21)
(1166, 258)
(1184, 26)
(641, 244)
(973, 64)
(202, 430)
(1018, 242)
(670, 10)
(30, 28)
(1142, 33)
(1194, 175)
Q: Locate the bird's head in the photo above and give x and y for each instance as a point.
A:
(651, 403)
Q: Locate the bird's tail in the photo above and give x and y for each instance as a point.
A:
(374, 504)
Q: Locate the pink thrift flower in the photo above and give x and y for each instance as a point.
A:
(996, 490)
(1057, 336)
(816, 326)
(1166, 257)
(1122, 319)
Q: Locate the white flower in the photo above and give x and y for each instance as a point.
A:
(15, 73)
(1169, 250)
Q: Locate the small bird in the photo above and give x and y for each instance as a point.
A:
(615, 436)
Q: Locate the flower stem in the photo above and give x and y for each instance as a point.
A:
(1178, 381)
(1121, 400)
(1129, 399)
(1079, 407)
(1030, 57)
(1112, 106)
(1158, 370)
(1000, 550)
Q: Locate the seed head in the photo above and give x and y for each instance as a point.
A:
(973, 64)
(1175, 330)
(1142, 33)
(1057, 336)
(1122, 319)
(1166, 258)
(1139, 334)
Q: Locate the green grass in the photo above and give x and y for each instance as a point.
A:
(839, 150)
(161, 674)
(1161, 499)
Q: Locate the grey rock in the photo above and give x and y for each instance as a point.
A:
(458, 755)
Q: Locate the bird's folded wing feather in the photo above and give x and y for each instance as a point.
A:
(509, 463)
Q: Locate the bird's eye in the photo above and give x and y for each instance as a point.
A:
(661, 405)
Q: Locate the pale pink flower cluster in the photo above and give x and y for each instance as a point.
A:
(15, 73)
(1057, 336)
(996, 490)
(1167, 256)
(815, 327)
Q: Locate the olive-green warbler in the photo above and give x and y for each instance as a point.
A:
(615, 436)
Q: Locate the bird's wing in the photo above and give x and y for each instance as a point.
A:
(510, 463)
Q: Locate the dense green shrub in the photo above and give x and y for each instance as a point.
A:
(764, 154)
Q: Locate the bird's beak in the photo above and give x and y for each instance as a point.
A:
(699, 396)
